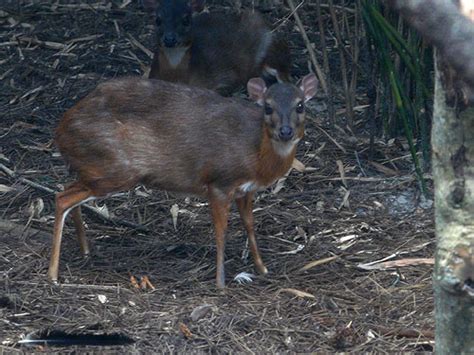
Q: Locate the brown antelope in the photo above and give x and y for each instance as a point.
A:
(132, 130)
(216, 51)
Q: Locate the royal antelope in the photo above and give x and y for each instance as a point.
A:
(132, 130)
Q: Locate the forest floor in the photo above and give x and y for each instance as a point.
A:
(316, 229)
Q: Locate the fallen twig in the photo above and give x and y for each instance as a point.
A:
(94, 210)
(83, 286)
(140, 46)
(406, 332)
(312, 55)
(332, 140)
(318, 262)
(296, 292)
(396, 263)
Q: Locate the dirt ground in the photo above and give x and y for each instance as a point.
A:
(52, 55)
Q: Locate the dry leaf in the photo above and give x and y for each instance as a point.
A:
(145, 283)
(347, 238)
(142, 191)
(36, 208)
(383, 169)
(318, 262)
(320, 148)
(102, 298)
(200, 311)
(5, 188)
(279, 185)
(174, 214)
(298, 166)
(296, 292)
(103, 210)
(345, 199)
(185, 330)
(340, 167)
(301, 234)
(299, 248)
(125, 4)
(244, 277)
(134, 282)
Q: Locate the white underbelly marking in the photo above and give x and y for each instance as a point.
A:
(249, 186)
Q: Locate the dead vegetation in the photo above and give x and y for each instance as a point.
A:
(320, 230)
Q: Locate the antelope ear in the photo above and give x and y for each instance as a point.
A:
(256, 87)
(309, 86)
(198, 5)
(150, 5)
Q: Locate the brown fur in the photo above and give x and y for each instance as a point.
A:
(225, 52)
(136, 130)
(271, 165)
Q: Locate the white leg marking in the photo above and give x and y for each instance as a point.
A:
(66, 212)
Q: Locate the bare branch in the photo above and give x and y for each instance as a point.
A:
(442, 23)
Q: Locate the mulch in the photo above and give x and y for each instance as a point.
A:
(316, 229)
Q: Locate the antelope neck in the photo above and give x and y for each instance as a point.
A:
(271, 164)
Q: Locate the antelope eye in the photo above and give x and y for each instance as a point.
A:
(186, 21)
(268, 109)
(158, 21)
(300, 107)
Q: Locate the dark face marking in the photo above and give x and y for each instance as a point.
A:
(284, 112)
(173, 23)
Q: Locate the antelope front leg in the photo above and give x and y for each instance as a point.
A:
(244, 205)
(220, 205)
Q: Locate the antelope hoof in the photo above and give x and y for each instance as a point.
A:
(262, 269)
(220, 281)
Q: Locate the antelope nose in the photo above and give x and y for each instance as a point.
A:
(169, 40)
(286, 133)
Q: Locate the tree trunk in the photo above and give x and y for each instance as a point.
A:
(453, 174)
